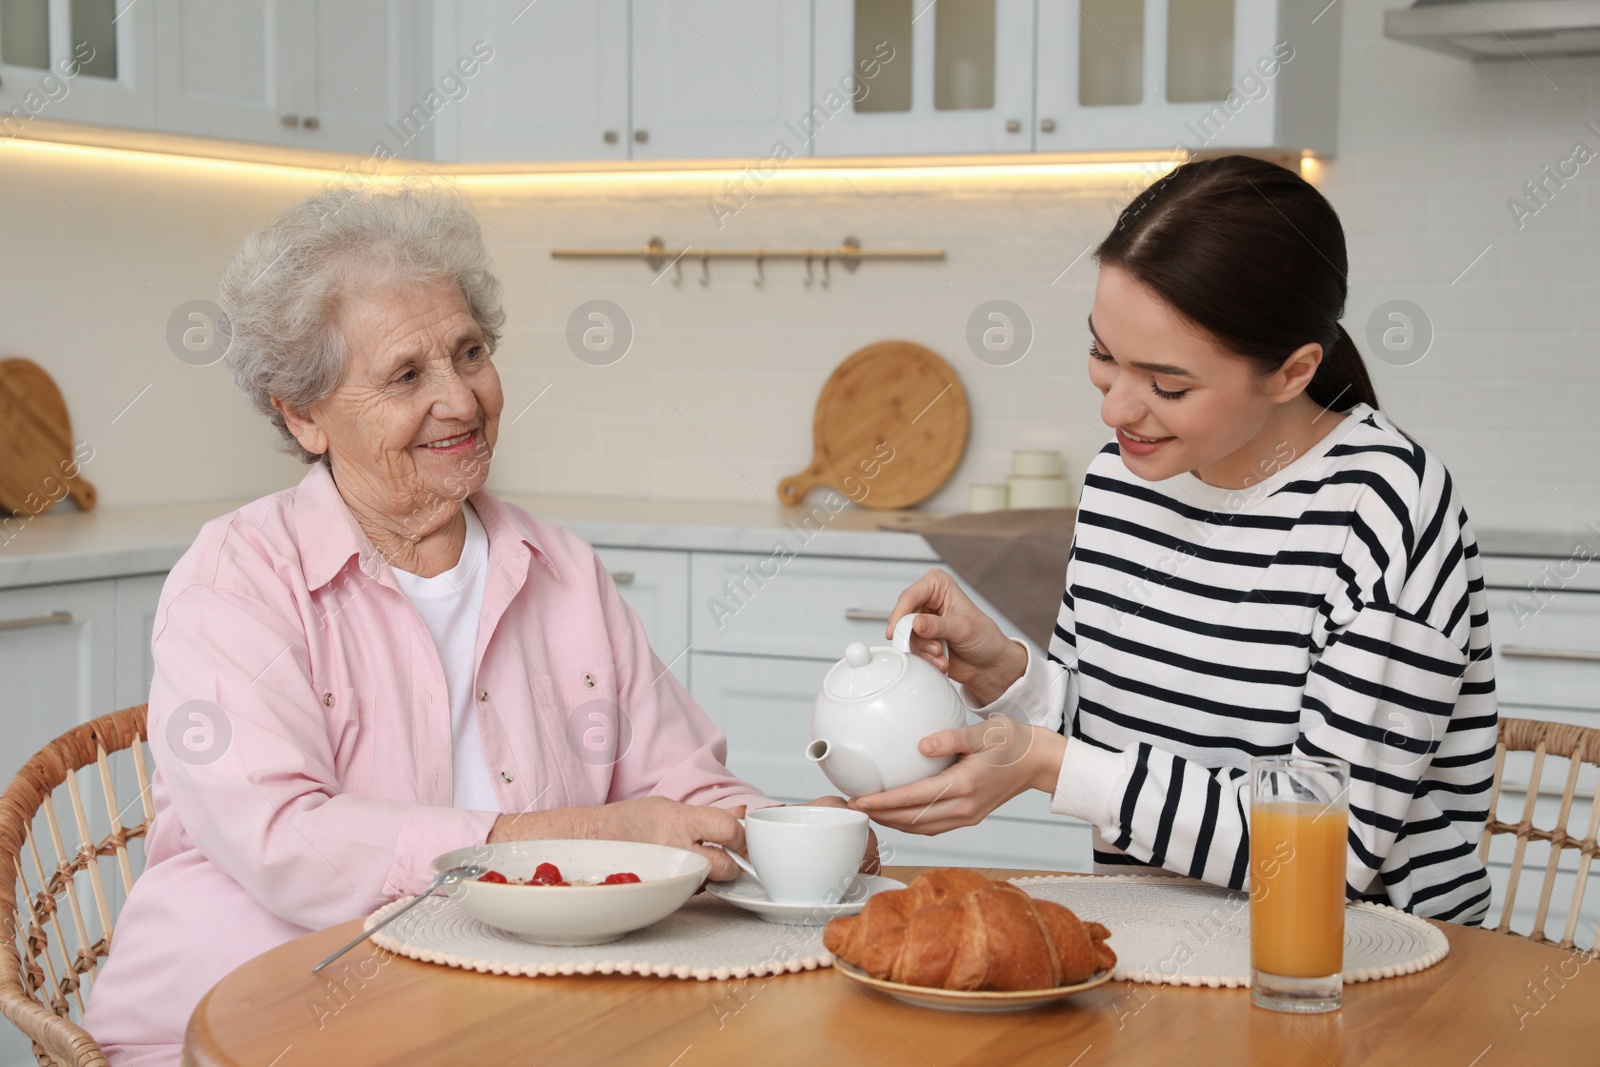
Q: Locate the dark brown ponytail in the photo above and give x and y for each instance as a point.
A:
(1251, 253)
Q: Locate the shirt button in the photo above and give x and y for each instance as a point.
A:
(588, 681)
(483, 694)
(505, 775)
(327, 699)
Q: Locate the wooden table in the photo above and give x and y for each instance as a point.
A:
(1495, 1000)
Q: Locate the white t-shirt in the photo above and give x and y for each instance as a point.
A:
(451, 606)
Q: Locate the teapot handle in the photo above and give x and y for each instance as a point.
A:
(902, 636)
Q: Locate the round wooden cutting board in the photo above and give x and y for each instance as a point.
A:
(36, 461)
(889, 429)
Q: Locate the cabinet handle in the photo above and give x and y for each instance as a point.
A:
(55, 618)
(865, 615)
(641, 136)
(610, 137)
(622, 577)
(311, 122)
(290, 120)
(1047, 125)
(1013, 125)
(1573, 654)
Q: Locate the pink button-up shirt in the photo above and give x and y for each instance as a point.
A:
(300, 729)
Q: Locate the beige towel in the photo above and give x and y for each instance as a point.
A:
(1017, 560)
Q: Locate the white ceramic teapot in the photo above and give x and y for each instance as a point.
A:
(875, 705)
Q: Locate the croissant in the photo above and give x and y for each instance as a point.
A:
(955, 929)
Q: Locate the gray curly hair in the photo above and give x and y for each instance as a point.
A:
(284, 287)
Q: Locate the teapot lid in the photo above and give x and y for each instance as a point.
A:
(864, 672)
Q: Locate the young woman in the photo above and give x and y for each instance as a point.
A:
(1262, 564)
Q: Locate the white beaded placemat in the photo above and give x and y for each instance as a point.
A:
(704, 939)
(1178, 931)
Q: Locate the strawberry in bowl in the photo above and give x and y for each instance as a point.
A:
(575, 892)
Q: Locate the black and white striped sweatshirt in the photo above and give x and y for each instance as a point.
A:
(1334, 608)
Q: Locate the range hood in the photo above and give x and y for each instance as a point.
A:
(1499, 29)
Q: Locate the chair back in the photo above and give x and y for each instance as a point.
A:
(1546, 776)
(53, 943)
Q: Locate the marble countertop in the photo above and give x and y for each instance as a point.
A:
(67, 545)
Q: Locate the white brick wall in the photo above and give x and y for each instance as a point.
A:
(715, 398)
(1431, 148)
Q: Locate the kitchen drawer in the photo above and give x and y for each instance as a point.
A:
(655, 584)
(1546, 648)
(808, 607)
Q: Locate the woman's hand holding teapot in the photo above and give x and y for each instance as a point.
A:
(982, 658)
(999, 758)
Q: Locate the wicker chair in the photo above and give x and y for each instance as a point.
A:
(1579, 747)
(46, 1001)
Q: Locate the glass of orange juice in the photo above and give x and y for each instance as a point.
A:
(1299, 820)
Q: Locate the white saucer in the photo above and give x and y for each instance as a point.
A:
(747, 893)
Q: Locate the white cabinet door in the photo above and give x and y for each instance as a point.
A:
(355, 78)
(719, 80)
(1196, 74)
(82, 62)
(655, 585)
(57, 660)
(1546, 648)
(556, 89)
(763, 706)
(227, 69)
(136, 616)
(922, 77)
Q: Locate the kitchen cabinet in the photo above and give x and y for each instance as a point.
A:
(77, 60)
(614, 80)
(763, 706)
(300, 73)
(1547, 666)
(912, 77)
(498, 81)
(767, 628)
(556, 89)
(58, 661)
(137, 597)
(1201, 75)
(656, 586)
(718, 80)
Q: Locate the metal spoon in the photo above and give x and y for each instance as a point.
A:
(446, 877)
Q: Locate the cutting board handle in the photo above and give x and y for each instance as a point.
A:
(83, 492)
(793, 489)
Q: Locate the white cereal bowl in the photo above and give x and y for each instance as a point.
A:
(576, 914)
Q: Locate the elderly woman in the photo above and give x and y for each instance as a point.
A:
(385, 662)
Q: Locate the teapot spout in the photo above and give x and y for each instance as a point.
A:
(848, 767)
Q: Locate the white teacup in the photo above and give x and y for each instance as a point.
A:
(806, 855)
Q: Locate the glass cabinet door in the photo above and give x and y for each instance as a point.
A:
(922, 76)
(1159, 74)
(76, 60)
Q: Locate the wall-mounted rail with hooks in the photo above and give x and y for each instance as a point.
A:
(658, 257)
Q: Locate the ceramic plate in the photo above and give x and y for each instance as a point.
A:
(747, 893)
(956, 1000)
